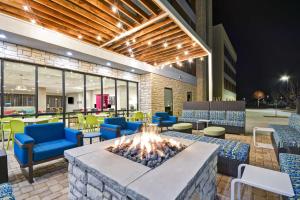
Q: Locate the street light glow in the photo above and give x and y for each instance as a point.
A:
(285, 78)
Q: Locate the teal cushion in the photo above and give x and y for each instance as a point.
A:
(201, 114)
(187, 113)
(217, 115)
(235, 116)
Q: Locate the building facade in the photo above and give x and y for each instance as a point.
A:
(224, 61)
(45, 73)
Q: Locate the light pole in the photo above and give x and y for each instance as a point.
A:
(285, 78)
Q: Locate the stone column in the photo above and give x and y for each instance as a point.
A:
(204, 29)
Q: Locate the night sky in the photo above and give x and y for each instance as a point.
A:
(266, 37)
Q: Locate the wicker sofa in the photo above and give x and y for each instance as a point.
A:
(231, 153)
(286, 138)
(228, 114)
(290, 164)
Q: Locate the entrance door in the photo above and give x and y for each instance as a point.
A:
(168, 100)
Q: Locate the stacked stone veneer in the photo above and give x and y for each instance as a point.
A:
(152, 93)
(86, 183)
(151, 86)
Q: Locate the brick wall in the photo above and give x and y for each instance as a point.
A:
(152, 93)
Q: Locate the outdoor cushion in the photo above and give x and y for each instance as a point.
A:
(184, 119)
(127, 132)
(51, 149)
(45, 132)
(236, 123)
(6, 192)
(294, 122)
(219, 122)
(201, 114)
(163, 115)
(182, 126)
(290, 164)
(228, 148)
(235, 116)
(187, 113)
(214, 131)
(217, 115)
(116, 121)
(285, 136)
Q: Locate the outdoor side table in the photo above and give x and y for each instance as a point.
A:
(258, 144)
(266, 179)
(92, 135)
(207, 121)
(3, 167)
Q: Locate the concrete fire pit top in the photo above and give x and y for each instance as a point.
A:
(135, 180)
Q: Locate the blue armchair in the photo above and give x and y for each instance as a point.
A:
(163, 119)
(44, 142)
(117, 126)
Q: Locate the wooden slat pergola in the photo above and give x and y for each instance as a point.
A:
(137, 28)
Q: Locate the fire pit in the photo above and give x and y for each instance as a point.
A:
(149, 149)
(143, 166)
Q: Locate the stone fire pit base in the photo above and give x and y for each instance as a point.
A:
(174, 179)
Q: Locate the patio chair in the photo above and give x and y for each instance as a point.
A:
(81, 121)
(163, 119)
(16, 126)
(5, 125)
(91, 122)
(53, 120)
(44, 142)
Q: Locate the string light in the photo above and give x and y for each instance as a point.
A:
(114, 9)
(33, 21)
(25, 8)
(119, 25)
(186, 52)
(99, 38)
(127, 43)
(165, 44)
(179, 46)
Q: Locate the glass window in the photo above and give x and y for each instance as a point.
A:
(50, 94)
(19, 89)
(74, 88)
(122, 95)
(133, 95)
(93, 93)
(109, 94)
(168, 100)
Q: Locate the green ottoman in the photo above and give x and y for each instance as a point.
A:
(214, 131)
(183, 127)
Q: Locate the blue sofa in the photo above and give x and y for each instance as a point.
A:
(290, 164)
(286, 138)
(44, 142)
(231, 153)
(117, 126)
(163, 119)
(6, 192)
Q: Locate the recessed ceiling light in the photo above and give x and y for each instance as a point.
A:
(33, 21)
(69, 53)
(133, 40)
(25, 8)
(2, 36)
(108, 64)
(80, 37)
(99, 38)
(119, 25)
(177, 58)
(127, 43)
(171, 65)
(165, 44)
(149, 43)
(114, 9)
(130, 50)
(179, 46)
(190, 60)
(194, 44)
(186, 52)
(201, 58)
(132, 70)
(132, 56)
(155, 64)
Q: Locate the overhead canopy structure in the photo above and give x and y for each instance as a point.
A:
(143, 29)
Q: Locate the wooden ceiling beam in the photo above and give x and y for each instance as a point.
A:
(102, 7)
(153, 38)
(141, 33)
(107, 27)
(80, 26)
(194, 55)
(159, 48)
(77, 18)
(136, 9)
(124, 11)
(4, 8)
(158, 44)
(147, 4)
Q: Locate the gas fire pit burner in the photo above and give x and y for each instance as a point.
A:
(148, 149)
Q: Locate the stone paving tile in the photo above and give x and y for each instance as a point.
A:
(51, 178)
